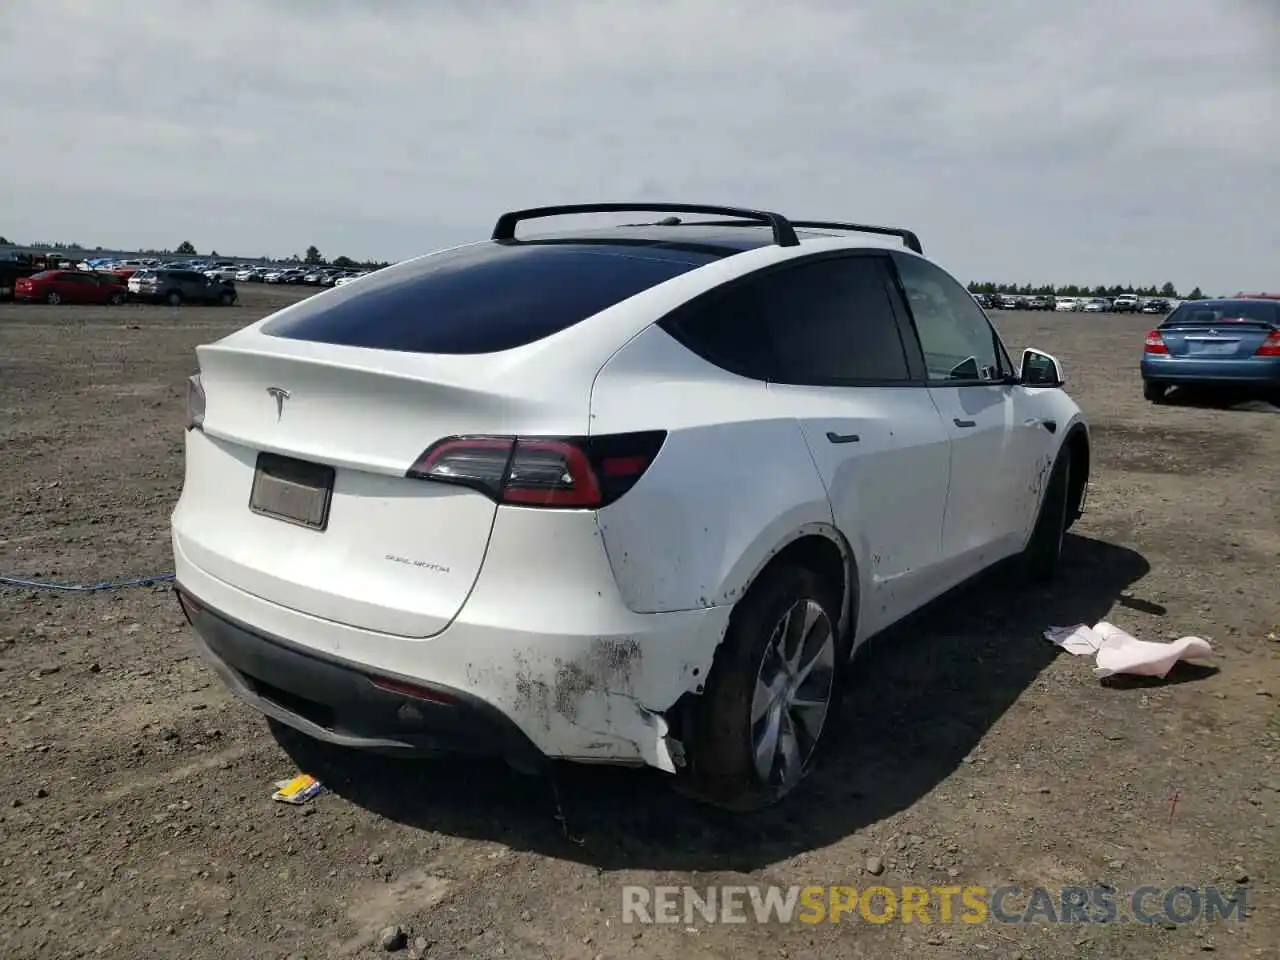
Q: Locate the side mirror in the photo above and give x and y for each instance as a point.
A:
(1040, 369)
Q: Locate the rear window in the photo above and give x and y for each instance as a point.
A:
(1202, 313)
(481, 298)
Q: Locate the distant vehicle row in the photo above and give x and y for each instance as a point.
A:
(174, 287)
(1125, 303)
(312, 275)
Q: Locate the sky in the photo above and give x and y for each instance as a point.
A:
(1121, 141)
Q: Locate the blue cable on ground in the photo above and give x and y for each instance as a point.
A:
(84, 587)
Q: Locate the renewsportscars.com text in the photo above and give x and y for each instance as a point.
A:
(1180, 904)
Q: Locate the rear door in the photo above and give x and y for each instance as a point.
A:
(836, 364)
(1219, 331)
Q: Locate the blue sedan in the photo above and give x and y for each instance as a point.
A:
(1214, 343)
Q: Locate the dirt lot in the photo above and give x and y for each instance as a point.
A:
(136, 819)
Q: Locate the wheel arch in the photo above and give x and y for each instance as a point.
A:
(821, 548)
(1077, 442)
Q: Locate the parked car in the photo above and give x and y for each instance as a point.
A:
(1125, 303)
(1156, 305)
(1208, 343)
(249, 275)
(1038, 303)
(349, 278)
(1067, 304)
(1096, 305)
(10, 271)
(291, 276)
(1009, 302)
(698, 609)
(70, 286)
(176, 287)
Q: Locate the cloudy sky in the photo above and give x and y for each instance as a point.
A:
(1094, 141)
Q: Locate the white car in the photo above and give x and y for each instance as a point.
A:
(1066, 304)
(1096, 305)
(349, 278)
(630, 495)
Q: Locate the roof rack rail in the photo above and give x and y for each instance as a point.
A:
(784, 235)
(909, 239)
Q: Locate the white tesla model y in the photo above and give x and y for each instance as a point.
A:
(624, 495)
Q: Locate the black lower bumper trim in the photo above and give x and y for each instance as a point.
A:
(336, 701)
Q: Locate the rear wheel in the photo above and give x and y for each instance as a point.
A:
(227, 299)
(116, 299)
(1044, 550)
(758, 725)
(1155, 392)
(174, 298)
(53, 298)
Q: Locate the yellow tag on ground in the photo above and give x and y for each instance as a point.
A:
(298, 790)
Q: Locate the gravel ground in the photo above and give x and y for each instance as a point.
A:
(135, 811)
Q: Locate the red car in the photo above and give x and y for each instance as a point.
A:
(70, 286)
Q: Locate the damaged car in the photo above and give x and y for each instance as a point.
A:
(626, 495)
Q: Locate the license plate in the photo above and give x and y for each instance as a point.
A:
(1212, 349)
(292, 490)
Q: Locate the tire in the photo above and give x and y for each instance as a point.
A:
(1155, 392)
(174, 299)
(116, 299)
(724, 739)
(53, 298)
(227, 299)
(1043, 553)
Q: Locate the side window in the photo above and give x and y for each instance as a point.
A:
(956, 337)
(832, 322)
(828, 322)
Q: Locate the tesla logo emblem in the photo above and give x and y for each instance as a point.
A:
(280, 396)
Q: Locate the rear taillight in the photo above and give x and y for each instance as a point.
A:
(1270, 346)
(1155, 343)
(195, 402)
(583, 473)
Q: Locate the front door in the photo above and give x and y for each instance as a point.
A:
(972, 383)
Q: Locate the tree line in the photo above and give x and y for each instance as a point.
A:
(1167, 290)
(186, 248)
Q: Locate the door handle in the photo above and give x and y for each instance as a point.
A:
(842, 437)
(964, 423)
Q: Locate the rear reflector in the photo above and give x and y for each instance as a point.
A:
(1270, 347)
(583, 473)
(413, 691)
(1155, 343)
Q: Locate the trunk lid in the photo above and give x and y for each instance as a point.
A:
(395, 555)
(1215, 339)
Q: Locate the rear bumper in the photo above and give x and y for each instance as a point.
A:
(547, 665)
(337, 701)
(1250, 371)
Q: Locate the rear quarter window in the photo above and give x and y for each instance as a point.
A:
(481, 298)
